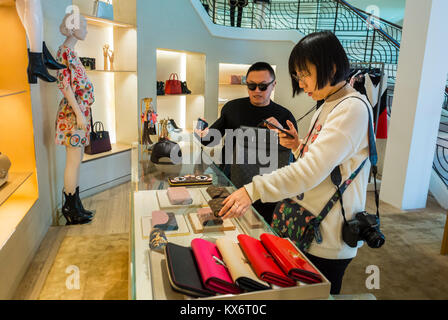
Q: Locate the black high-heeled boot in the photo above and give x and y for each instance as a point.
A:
(184, 87)
(81, 207)
(72, 212)
(49, 61)
(36, 68)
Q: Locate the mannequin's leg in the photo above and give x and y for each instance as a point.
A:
(71, 209)
(72, 165)
(30, 13)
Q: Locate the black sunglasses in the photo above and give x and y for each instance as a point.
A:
(262, 86)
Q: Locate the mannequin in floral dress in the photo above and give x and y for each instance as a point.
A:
(73, 118)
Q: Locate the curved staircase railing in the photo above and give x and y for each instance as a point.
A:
(365, 37)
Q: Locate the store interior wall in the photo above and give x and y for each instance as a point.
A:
(391, 10)
(18, 252)
(174, 24)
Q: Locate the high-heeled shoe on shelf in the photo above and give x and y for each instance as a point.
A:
(172, 127)
(49, 61)
(36, 68)
(174, 124)
(72, 211)
(184, 88)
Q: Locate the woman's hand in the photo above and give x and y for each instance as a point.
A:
(288, 142)
(81, 121)
(236, 204)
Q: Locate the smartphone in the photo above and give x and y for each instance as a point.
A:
(201, 124)
(280, 129)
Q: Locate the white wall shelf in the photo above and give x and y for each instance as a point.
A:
(7, 93)
(113, 71)
(15, 180)
(107, 23)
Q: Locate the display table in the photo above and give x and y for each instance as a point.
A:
(148, 271)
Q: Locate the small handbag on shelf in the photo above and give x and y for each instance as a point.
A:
(99, 139)
(173, 85)
(103, 9)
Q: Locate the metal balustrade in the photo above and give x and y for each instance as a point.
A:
(365, 37)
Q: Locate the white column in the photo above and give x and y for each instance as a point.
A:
(422, 73)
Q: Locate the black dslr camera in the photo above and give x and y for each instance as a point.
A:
(365, 227)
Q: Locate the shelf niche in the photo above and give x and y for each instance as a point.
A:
(116, 104)
(185, 109)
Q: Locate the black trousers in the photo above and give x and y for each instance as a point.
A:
(232, 16)
(333, 270)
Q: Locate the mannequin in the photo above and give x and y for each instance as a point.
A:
(73, 119)
(40, 58)
(149, 119)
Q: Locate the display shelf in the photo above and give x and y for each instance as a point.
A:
(181, 95)
(113, 71)
(7, 3)
(107, 23)
(15, 180)
(18, 203)
(7, 93)
(116, 148)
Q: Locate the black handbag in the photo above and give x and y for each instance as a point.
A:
(166, 149)
(99, 139)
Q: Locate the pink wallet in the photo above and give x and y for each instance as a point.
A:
(179, 196)
(213, 272)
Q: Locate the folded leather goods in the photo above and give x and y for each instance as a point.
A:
(263, 263)
(290, 260)
(164, 221)
(183, 272)
(207, 218)
(217, 192)
(216, 206)
(213, 272)
(239, 267)
(179, 195)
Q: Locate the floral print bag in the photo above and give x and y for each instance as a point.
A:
(291, 220)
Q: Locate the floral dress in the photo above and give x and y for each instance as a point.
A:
(75, 77)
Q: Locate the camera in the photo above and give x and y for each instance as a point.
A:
(364, 227)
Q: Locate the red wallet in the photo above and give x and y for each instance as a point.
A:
(290, 259)
(263, 263)
(213, 271)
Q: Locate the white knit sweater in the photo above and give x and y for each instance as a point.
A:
(342, 140)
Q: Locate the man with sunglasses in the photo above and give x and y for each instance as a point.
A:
(250, 112)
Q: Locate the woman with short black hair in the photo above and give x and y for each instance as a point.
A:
(338, 137)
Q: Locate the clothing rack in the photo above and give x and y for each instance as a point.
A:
(370, 66)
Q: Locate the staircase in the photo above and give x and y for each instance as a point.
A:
(366, 38)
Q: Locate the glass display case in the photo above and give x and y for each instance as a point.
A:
(148, 270)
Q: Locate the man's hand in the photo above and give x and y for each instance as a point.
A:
(236, 204)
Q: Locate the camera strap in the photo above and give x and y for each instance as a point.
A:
(336, 176)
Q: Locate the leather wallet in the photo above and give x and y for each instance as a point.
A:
(263, 263)
(290, 259)
(183, 272)
(213, 271)
(207, 218)
(217, 192)
(239, 267)
(164, 221)
(216, 206)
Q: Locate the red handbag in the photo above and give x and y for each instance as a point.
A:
(173, 85)
(263, 263)
(290, 259)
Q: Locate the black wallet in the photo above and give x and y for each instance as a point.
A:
(183, 271)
